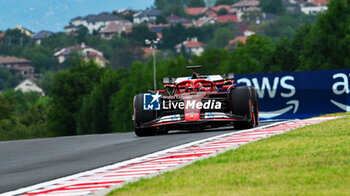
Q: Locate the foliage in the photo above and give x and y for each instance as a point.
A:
(225, 2)
(68, 90)
(195, 3)
(22, 115)
(170, 7)
(221, 37)
(8, 79)
(140, 33)
(272, 6)
(222, 12)
(94, 113)
(327, 44)
(286, 25)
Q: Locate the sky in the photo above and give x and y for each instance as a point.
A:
(53, 15)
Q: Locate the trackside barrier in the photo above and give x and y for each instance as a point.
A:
(292, 95)
(102, 180)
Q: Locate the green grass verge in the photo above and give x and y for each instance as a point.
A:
(313, 160)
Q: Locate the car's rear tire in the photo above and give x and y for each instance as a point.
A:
(255, 106)
(243, 104)
(142, 116)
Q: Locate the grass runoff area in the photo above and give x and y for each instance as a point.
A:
(313, 160)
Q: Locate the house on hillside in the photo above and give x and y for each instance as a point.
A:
(173, 19)
(113, 29)
(191, 47)
(221, 7)
(29, 85)
(41, 35)
(226, 18)
(291, 7)
(147, 16)
(244, 7)
(24, 30)
(205, 11)
(18, 65)
(85, 51)
(233, 43)
(93, 22)
(314, 7)
(158, 29)
(204, 21)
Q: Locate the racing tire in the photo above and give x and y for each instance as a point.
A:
(255, 106)
(142, 116)
(243, 104)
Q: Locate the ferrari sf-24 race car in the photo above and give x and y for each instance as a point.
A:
(195, 103)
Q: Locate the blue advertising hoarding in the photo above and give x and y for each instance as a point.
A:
(292, 95)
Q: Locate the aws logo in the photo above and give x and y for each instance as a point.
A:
(265, 87)
(341, 87)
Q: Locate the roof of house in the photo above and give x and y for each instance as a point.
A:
(253, 9)
(91, 55)
(12, 59)
(67, 50)
(29, 85)
(227, 18)
(102, 17)
(113, 27)
(245, 3)
(202, 21)
(319, 2)
(42, 35)
(77, 18)
(2, 34)
(148, 13)
(242, 39)
(195, 10)
(219, 7)
(177, 19)
(158, 28)
(192, 44)
(23, 29)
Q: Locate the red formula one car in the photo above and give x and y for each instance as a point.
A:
(195, 103)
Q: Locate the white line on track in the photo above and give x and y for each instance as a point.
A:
(150, 165)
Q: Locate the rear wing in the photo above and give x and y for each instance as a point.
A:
(213, 78)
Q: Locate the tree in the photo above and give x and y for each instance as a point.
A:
(140, 33)
(284, 56)
(94, 115)
(195, 3)
(170, 7)
(222, 12)
(327, 45)
(221, 37)
(272, 6)
(40, 57)
(68, 91)
(173, 36)
(225, 2)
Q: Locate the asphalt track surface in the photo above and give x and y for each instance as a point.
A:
(28, 162)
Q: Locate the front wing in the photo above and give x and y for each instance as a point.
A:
(205, 119)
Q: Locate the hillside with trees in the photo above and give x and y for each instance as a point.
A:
(85, 98)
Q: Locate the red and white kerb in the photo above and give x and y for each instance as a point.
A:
(101, 181)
